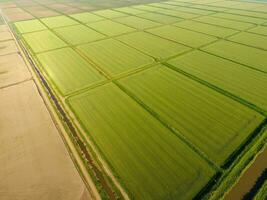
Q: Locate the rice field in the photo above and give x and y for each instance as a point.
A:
(169, 93)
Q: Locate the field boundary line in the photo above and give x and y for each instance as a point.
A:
(244, 65)
(14, 84)
(172, 129)
(218, 89)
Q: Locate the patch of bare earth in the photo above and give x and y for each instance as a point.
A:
(34, 162)
(16, 14)
(5, 35)
(41, 11)
(8, 47)
(12, 70)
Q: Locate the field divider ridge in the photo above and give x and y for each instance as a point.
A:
(219, 90)
(172, 129)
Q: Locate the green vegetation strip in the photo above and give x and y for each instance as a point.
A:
(183, 36)
(29, 26)
(250, 84)
(194, 111)
(154, 46)
(224, 23)
(114, 57)
(163, 19)
(110, 14)
(250, 39)
(137, 23)
(58, 21)
(243, 160)
(110, 28)
(241, 18)
(206, 28)
(148, 159)
(43, 41)
(262, 193)
(259, 30)
(249, 56)
(68, 71)
(86, 17)
(78, 34)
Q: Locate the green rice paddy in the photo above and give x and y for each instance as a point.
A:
(168, 92)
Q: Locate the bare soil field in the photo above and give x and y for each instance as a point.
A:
(5, 35)
(34, 161)
(8, 47)
(12, 70)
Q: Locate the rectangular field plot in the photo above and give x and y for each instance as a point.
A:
(176, 13)
(212, 122)
(137, 23)
(154, 46)
(243, 82)
(194, 11)
(162, 5)
(248, 13)
(67, 70)
(129, 10)
(110, 28)
(150, 161)
(205, 28)
(78, 34)
(182, 36)
(58, 21)
(250, 56)
(110, 14)
(211, 8)
(224, 4)
(250, 39)
(224, 23)
(262, 30)
(43, 41)
(146, 8)
(29, 26)
(163, 19)
(241, 18)
(114, 57)
(86, 17)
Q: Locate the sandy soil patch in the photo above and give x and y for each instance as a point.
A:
(40, 11)
(8, 47)
(18, 16)
(26, 3)
(34, 161)
(11, 10)
(12, 70)
(7, 5)
(5, 35)
(3, 28)
(64, 8)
